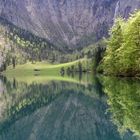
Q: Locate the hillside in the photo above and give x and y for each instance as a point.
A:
(69, 23)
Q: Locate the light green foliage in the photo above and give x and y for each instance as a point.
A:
(123, 101)
(122, 56)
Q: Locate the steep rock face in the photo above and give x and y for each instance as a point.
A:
(66, 22)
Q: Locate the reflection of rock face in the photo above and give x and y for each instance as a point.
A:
(56, 111)
(66, 22)
(69, 117)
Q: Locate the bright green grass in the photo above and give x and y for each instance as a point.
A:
(44, 67)
(47, 72)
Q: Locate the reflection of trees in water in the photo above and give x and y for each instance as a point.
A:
(58, 110)
(55, 106)
(124, 102)
(21, 99)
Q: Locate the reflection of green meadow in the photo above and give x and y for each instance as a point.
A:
(124, 103)
(45, 72)
(57, 108)
(21, 98)
(123, 94)
(40, 79)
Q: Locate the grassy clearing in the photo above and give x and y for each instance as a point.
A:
(44, 68)
(47, 71)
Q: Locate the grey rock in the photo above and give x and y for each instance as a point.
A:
(67, 22)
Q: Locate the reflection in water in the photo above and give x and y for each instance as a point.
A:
(124, 102)
(58, 111)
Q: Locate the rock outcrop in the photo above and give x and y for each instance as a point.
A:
(66, 22)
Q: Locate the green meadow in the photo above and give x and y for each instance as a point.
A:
(44, 68)
(45, 72)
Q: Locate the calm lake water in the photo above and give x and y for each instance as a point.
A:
(102, 108)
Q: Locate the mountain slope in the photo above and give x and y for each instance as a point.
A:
(66, 22)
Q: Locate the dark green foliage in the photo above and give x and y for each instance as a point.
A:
(62, 71)
(68, 71)
(97, 58)
(14, 62)
(80, 69)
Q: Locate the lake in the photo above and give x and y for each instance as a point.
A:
(75, 108)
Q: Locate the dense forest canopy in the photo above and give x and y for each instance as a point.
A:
(122, 56)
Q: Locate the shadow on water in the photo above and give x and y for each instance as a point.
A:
(60, 110)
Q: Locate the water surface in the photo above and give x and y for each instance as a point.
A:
(100, 109)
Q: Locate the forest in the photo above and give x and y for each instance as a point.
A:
(69, 70)
(122, 56)
(116, 55)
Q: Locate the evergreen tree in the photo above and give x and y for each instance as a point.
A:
(122, 56)
(114, 43)
(131, 48)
